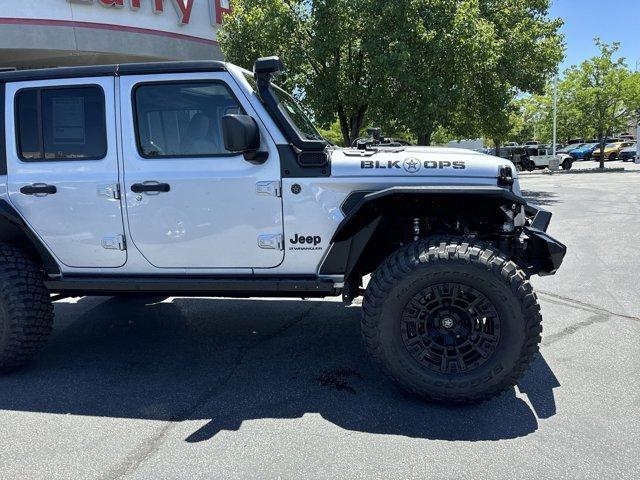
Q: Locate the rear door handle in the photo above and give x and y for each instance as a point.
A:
(39, 189)
(150, 187)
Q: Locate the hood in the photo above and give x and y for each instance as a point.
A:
(415, 162)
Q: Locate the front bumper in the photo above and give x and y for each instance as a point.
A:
(544, 254)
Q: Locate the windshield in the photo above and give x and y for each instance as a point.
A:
(296, 114)
(292, 109)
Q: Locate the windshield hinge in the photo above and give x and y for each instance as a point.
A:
(271, 188)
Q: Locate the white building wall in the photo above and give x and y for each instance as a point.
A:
(67, 32)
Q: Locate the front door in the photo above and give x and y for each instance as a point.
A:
(62, 166)
(192, 204)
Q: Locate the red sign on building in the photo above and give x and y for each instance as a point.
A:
(222, 7)
(183, 8)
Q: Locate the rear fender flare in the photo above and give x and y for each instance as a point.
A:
(13, 229)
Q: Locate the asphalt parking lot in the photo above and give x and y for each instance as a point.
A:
(211, 388)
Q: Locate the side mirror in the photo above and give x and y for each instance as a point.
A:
(241, 134)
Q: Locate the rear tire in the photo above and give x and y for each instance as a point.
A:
(26, 311)
(613, 157)
(451, 320)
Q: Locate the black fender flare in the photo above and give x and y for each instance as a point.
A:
(13, 229)
(363, 211)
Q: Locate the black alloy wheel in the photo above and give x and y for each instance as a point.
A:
(450, 327)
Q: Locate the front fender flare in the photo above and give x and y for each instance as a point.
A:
(363, 211)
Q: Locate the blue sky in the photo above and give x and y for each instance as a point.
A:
(611, 20)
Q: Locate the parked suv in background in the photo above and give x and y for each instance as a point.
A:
(204, 179)
(628, 153)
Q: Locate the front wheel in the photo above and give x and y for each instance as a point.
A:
(567, 164)
(451, 320)
(528, 165)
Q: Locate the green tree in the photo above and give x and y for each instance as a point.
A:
(602, 91)
(408, 65)
(327, 49)
(539, 114)
(459, 65)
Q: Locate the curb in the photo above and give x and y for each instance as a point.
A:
(575, 172)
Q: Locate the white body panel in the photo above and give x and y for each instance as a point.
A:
(415, 162)
(316, 212)
(212, 217)
(541, 160)
(74, 221)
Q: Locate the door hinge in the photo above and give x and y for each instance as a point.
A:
(114, 242)
(272, 188)
(271, 242)
(110, 191)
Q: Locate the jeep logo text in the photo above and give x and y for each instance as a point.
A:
(305, 240)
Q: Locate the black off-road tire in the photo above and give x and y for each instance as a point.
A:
(26, 310)
(474, 264)
(567, 164)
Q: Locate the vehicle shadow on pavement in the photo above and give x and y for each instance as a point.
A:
(232, 361)
(541, 198)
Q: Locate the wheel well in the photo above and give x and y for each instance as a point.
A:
(482, 221)
(14, 231)
(376, 229)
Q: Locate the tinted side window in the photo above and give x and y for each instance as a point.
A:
(61, 124)
(182, 119)
(29, 146)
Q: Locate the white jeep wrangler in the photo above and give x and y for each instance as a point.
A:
(205, 179)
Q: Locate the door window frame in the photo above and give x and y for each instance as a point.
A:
(136, 126)
(43, 159)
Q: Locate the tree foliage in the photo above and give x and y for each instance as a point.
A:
(458, 65)
(407, 65)
(596, 98)
(326, 47)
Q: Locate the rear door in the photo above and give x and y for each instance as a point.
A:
(62, 162)
(191, 203)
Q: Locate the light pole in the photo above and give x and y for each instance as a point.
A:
(638, 136)
(555, 114)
